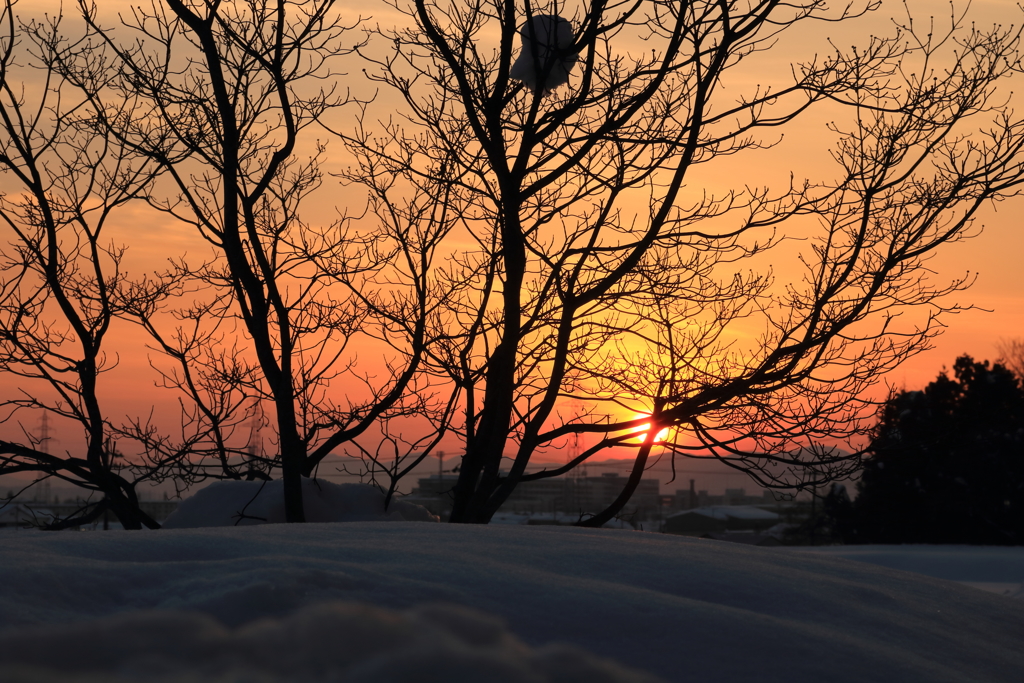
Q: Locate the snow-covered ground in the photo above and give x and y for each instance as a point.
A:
(998, 570)
(387, 601)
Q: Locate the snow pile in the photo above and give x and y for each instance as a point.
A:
(545, 60)
(684, 609)
(245, 503)
(332, 642)
(998, 570)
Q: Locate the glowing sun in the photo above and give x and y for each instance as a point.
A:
(641, 431)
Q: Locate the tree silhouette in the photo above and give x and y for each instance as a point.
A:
(946, 464)
(558, 286)
(1011, 355)
(62, 280)
(217, 96)
(532, 241)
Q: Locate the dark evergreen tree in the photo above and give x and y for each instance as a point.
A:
(946, 464)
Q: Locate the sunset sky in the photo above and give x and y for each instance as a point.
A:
(995, 255)
(412, 353)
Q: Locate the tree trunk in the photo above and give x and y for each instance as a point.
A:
(637, 473)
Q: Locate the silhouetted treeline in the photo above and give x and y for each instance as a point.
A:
(946, 464)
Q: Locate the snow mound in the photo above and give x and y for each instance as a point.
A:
(547, 39)
(333, 642)
(996, 569)
(245, 503)
(681, 608)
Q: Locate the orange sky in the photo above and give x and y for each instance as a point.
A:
(995, 255)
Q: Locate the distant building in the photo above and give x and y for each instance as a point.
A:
(688, 500)
(720, 519)
(584, 495)
(554, 497)
(39, 514)
(18, 515)
(559, 499)
(434, 493)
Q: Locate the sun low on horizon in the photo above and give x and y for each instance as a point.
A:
(525, 341)
(642, 431)
(993, 256)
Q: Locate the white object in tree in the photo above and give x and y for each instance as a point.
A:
(546, 58)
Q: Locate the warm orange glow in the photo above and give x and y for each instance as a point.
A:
(130, 389)
(641, 431)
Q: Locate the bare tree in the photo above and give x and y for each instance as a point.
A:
(1011, 355)
(222, 96)
(62, 281)
(583, 264)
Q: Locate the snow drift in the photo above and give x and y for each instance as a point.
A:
(332, 642)
(996, 569)
(245, 503)
(684, 609)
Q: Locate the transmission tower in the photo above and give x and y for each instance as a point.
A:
(44, 433)
(254, 446)
(577, 477)
(43, 492)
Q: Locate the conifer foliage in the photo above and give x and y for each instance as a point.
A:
(947, 463)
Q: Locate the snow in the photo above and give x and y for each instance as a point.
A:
(541, 36)
(402, 601)
(245, 503)
(435, 643)
(998, 570)
(552, 519)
